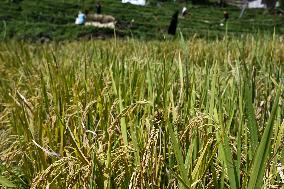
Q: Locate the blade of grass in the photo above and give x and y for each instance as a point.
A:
(178, 155)
(6, 183)
(258, 166)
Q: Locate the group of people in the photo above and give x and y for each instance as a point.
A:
(174, 21)
(81, 18)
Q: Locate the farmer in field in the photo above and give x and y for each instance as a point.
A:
(81, 19)
(184, 11)
(226, 16)
(98, 8)
(173, 25)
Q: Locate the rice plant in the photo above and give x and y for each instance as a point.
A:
(133, 114)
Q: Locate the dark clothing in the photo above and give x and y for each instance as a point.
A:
(226, 16)
(173, 25)
(98, 9)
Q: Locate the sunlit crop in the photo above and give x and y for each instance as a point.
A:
(132, 114)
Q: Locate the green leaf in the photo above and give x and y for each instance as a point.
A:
(178, 155)
(200, 161)
(250, 115)
(231, 167)
(258, 167)
(122, 120)
(5, 182)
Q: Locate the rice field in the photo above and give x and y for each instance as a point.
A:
(135, 114)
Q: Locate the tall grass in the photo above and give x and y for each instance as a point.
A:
(132, 114)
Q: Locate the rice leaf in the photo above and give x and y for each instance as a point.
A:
(6, 183)
(259, 162)
(178, 155)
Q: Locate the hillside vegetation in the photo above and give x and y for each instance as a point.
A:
(54, 20)
(132, 114)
